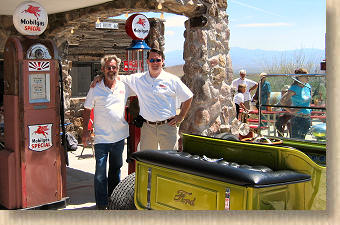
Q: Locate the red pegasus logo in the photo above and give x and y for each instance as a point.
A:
(33, 10)
(41, 130)
(141, 21)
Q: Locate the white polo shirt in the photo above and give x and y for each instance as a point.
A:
(158, 97)
(249, 84)
(110, 125)
(239, 98)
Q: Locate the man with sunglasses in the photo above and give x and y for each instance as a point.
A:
(108, 99)
(159, 94)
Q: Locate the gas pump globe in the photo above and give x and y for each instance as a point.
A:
(137, 27)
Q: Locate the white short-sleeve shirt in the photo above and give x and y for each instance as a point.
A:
(110, 125)
(158, 97)
(249, 84)
(239, 98)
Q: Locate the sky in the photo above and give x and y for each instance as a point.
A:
(263, 24)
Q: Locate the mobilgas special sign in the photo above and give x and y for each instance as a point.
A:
(30, 18)
(40, 137)
(137, 26)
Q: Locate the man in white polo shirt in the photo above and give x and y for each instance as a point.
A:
(159, 93)
(108, 99)
(250, 85)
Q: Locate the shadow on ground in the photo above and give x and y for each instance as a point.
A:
(79, 187)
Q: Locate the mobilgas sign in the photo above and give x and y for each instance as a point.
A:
(137, 26)
(30, 18)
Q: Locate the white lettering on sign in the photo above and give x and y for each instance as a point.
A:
(107, 25)
(30, 18)
(38, 66)
(40, 137)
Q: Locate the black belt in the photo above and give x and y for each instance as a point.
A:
(159, 122)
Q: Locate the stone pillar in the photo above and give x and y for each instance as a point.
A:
(155, 39)
(67, 82)
(206, 70)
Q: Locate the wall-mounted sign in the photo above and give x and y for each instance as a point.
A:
(137, 26)
(107, 25)
(30, 18)
(40, 137)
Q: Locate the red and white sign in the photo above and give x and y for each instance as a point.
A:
(30, 18)
(40, 137)
(39, 66)
(137, 26)
(132, 65)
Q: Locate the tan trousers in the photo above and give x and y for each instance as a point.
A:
(247, 104)
(154, 137)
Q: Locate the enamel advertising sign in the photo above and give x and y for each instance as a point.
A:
(30, 18)
(40, 137)
(137, 26)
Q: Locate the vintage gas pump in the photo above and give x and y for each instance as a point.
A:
(32, 165)
(137, 27)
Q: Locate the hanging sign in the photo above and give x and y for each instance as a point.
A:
(30, 18)
(137, 26)
(107, 25)
(40, 137)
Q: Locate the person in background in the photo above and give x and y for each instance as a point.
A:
(265, 96)
(300, 95)
(159, 94)
(283, 120)
(108, 99)
(239, 99)
(250, 85)
(265, 92)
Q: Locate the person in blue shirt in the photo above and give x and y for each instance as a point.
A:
(265, 92)
(265, 96)
(300, 95)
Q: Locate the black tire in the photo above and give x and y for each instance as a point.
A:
(227, 136)
(122, 197)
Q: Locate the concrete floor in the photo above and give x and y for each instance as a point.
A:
(79, 180)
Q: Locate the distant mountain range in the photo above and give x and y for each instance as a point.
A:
(254, 61)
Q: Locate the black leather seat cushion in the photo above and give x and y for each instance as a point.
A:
(229, 172)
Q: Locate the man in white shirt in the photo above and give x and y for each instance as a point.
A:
(108, 99)
(250, 85)
(159, 94)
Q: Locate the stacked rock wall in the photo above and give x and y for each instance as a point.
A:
(207, 70)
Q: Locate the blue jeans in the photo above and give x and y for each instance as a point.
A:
(103, 186)
(300, 126)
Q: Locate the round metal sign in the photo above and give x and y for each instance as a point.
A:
(137, 26)
(30, 18)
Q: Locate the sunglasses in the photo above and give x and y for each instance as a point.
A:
(155, 60)
(111, 67)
